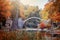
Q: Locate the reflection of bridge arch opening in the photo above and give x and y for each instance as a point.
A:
(32, 22)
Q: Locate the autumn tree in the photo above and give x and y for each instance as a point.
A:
(55, 11)
(52, 10)
(15, 13)
(46, 10)
(4, 10)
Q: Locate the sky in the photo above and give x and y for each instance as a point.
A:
(39, 3)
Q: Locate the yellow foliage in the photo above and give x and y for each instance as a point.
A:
(44, 14)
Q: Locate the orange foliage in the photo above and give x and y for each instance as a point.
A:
(5, 8)
(53, 8)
